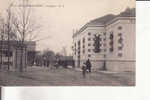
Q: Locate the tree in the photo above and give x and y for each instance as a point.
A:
(1, 36)
(48, 56)
(25, 27)
(7, 32)
(8, 29)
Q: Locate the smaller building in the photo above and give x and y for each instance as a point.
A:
(16, 54)
(66, 61)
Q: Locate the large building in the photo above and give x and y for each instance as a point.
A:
(14, 54)
(117, 42)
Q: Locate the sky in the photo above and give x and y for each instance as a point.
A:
(58, 23)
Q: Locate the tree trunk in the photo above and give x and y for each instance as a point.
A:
(21, 59)
(1, 55)
(8, 54)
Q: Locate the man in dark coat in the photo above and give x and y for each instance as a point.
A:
(88, 64)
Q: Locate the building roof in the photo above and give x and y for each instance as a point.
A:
(129, 12)
(102, 20)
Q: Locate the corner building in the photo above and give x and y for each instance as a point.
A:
(117, 42)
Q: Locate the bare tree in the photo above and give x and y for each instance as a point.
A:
(8, 30)
(1, 35)
(25, 26)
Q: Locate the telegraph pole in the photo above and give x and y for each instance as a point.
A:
(1, 51)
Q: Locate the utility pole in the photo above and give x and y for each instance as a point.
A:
(8, 33)
(1, 51)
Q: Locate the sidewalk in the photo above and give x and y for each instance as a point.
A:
(102, 71)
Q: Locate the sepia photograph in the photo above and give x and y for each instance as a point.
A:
(67, 43)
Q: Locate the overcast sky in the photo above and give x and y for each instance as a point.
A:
(59, 22)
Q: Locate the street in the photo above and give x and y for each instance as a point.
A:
(41, 76)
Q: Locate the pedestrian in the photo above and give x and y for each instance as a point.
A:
(88, 64)
(84, 70)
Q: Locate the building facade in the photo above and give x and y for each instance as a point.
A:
(14, 54)
(117, 42)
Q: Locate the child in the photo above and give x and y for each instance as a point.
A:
(84, 70)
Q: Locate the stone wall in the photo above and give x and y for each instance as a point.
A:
(119, 66)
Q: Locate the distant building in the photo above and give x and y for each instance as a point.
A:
(66, 61)
(117, 42)
(15, 54)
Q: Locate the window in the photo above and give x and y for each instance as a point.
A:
(83, 51)
(89, 55)
(89, 50)
(120, 48)
(74, 51)
(119, 34)
(111, 36)
(78, 45)
(89, 39)
(104, 33)
(120, 40)
(83, 40)
(111, 49)
(100, 39)
(79, 48)
(83, 46)
(104, 39)
(89, 44)
(6, 53)
(94, 50)
(111, 43)
(78, 52)
(120, 54)
(89, 33)
(120, 28)
(104, 44)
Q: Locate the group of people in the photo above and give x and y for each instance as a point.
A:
(86, 68)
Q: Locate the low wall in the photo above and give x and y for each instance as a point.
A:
(116, 66)
(121, 66)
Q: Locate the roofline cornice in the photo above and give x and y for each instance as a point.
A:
(104, 25)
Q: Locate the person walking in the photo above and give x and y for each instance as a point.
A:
(88, 64)
(84, 70)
